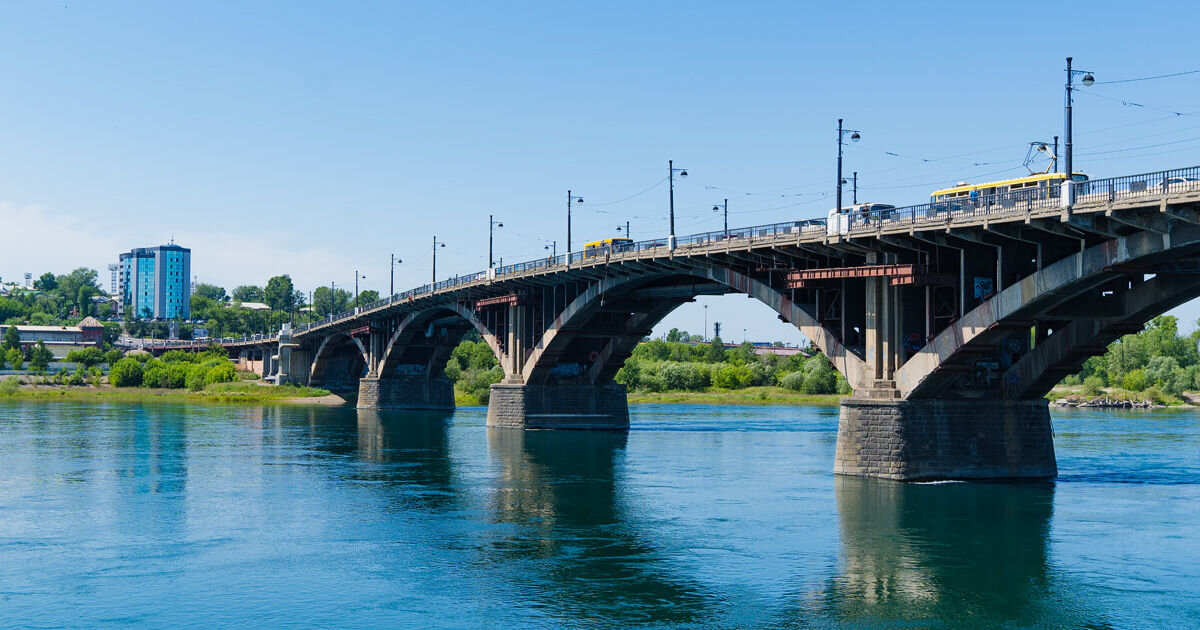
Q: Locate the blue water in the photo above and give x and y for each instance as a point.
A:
(709, 517)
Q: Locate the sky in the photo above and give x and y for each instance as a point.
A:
(317, 139)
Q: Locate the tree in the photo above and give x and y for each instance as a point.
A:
(247, 293)
(12, 339)
(212, 292)
(15, 359)
(716, 351)
(46, 283)
(76, 289)
(327, 301)
(279, 294)
(675, 335)
(40, 356)
(366, 297)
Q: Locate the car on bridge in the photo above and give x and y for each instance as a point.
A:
(857, 216)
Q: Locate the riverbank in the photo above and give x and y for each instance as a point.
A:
(240, 392)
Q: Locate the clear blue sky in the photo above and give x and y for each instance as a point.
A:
(317, 138)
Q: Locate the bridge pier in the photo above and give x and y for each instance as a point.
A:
(558, 406)
(930, 439)
(405, 392)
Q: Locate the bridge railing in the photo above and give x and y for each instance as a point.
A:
(1156, 183)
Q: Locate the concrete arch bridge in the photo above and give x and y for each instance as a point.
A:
(950, 320)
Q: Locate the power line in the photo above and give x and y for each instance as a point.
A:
(1158, 76)
(638, 194)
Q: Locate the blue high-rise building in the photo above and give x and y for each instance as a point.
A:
(154, 282)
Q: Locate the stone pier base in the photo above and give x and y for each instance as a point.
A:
(918, 440)
(554, 406)
(406, 393)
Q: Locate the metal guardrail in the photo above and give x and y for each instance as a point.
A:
(1013, 203)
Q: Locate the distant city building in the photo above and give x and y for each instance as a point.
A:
(153, 282)
(61, 339)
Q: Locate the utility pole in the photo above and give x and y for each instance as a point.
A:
(854, 178)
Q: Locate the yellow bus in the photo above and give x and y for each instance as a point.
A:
(1039, 186)
(595, 248)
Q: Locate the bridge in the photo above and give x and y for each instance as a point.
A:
(950, 320)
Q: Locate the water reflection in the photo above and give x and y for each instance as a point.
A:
(947, 554)
(406, 448)
(560, 493)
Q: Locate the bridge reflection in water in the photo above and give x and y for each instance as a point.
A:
(560, 494)
(946, 555)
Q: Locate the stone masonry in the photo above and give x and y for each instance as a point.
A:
(929, 439)
(558, 406)
(406, 393)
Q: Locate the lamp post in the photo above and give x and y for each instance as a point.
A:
(718, 209)
(392, 282)
(626, 230)
(704, 331)
(1087, 80)
(356, 278)
(854, 137)
(553, 247)
(671, 177)
(570, 199)
(436, 244)
(492, 225)
(332, 295)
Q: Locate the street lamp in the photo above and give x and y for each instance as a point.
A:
(356, 277)
(1087, 81)
(436, 244)
(854, 182)
(392, 283)
(492, 225)
(718, 209)
(855, 136)
(626, 230)
(553, 247)
(671, 176)
(570, 199)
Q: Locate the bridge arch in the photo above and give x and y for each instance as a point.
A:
(340, 360)
(1068, 297)
(665, 292)
(426, 338)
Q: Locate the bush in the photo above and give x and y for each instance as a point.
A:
(683, 376)
(77, 377)
(87, 357)
(478, 383)
(126, 373)
(1092, 386)
(8, 387)
(1134, 381)
(177, 374)
(223, 373)
(821, 380)
(793, 381)
(154, 375)
(112, 356)
(195, 377)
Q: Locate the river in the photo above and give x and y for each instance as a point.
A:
(197, 516)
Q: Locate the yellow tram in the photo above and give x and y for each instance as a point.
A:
(596, 248)
(1038, 186)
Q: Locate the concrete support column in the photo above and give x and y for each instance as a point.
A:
(916, 440)
(518, 342)
(558, 406)
(405, 392)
